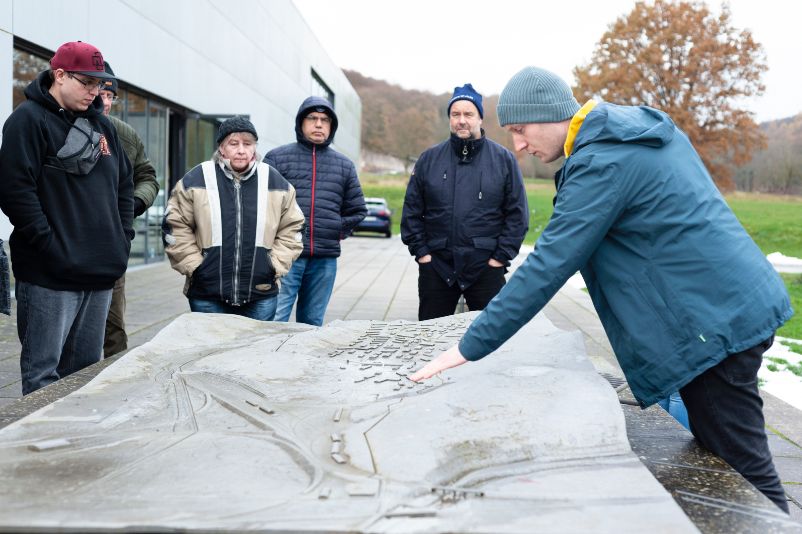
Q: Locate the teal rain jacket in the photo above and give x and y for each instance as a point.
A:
(677, 282)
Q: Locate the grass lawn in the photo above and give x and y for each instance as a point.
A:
(774, 222)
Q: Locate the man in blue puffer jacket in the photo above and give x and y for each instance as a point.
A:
(329, 194)
(686, 298)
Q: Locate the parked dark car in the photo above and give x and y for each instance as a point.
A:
(379, 218)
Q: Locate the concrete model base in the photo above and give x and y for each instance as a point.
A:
(223, 423)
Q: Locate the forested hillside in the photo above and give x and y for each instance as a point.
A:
(403, 123)
(777, 168)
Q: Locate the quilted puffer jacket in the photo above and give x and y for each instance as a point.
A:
(326, 185)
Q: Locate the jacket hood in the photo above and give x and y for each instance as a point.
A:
(304, 110)
(39, 91)
(625, 124)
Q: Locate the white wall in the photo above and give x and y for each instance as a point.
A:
(213, 56)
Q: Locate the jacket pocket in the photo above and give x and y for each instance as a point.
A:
(263, 281)
(741, 368)
(485, 243)
(644, 315)
(205, 279)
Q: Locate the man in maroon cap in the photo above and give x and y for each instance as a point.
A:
(67, 188)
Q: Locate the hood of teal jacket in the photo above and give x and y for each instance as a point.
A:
(609, 123)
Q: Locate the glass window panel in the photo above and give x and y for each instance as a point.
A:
(192, 156)
(136, 114)
(26, 68)
(156, 147)
(200, 140)
(320, 88)
(207, 131)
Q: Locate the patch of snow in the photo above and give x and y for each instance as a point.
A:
(784, 264)
(782, 383)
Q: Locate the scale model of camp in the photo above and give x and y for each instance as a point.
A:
(223, 423)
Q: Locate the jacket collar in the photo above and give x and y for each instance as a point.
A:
(576, 124)
(467, 149)
(230, 173)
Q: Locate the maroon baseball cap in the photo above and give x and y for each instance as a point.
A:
(82, 58)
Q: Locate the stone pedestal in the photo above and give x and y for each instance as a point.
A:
(224, 423)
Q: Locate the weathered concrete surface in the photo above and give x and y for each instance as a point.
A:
(225, 423)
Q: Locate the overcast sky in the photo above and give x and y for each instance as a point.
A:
(436, 45)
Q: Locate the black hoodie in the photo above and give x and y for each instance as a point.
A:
(71, 232)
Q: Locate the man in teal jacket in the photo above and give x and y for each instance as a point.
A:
(686, 298)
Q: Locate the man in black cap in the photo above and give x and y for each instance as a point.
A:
(146, 188)
(465, 213)
(66, 186)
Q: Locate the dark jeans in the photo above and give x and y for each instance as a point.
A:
(116, 339)
(726, 416)
(5, 282)
(261, 310)
(437, 299)
(61, 332)
(311, 280)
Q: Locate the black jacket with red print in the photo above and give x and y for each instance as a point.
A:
(71, 232)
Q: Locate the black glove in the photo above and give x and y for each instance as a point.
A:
(139, 206)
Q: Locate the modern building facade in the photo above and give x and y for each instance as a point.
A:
(183, 66)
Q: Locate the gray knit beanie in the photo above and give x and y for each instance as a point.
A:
(536, 95)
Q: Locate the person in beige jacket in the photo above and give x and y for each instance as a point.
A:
(233, 228)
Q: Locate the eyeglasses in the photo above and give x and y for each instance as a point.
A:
(108, 96)
(325, 119)
(87, 84)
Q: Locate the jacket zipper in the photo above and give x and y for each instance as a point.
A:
(312, 209)
(238, 243)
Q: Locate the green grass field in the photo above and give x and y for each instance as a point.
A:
(774, 222)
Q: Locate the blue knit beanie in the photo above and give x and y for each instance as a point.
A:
(467, 92)
(536, 95)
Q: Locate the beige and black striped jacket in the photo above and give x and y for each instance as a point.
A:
(232, 235)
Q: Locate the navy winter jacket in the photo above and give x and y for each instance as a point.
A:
(326, 185)
(677, 282)
(465, 203)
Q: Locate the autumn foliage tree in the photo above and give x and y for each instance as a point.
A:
(681, 58)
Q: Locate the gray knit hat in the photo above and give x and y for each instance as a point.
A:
(536, 95)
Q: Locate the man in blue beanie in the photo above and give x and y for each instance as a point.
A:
(465, 213)
(688, 301)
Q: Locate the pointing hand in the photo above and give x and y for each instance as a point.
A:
(446, 360)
